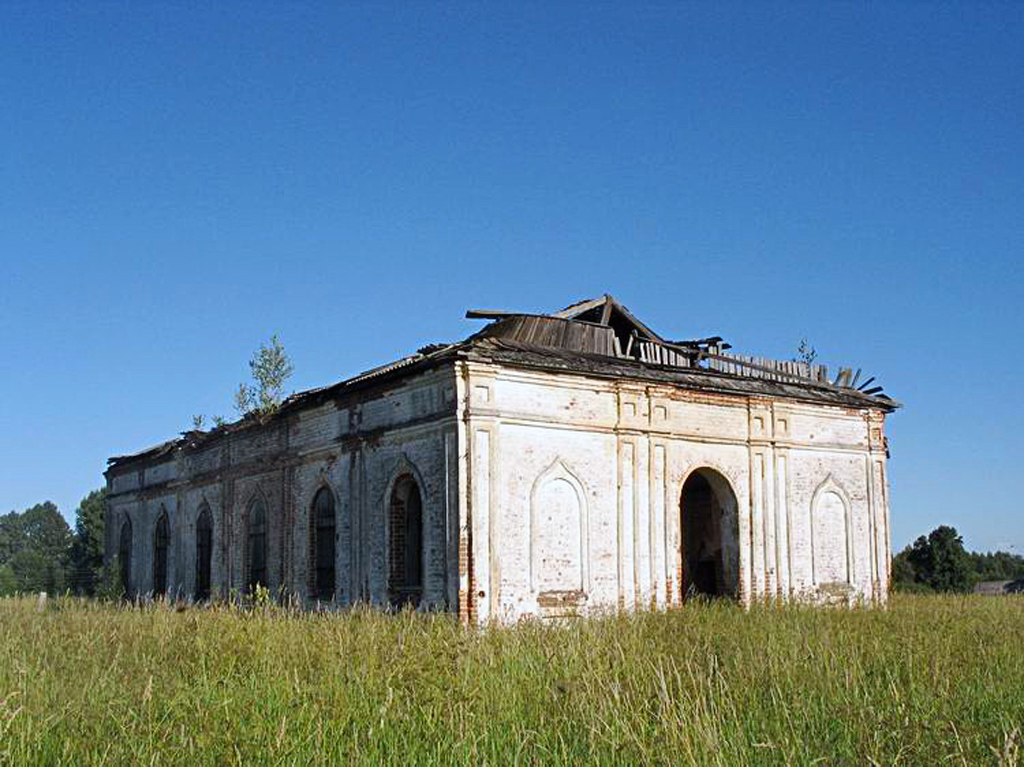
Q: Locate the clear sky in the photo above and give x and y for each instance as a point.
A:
(178, 182)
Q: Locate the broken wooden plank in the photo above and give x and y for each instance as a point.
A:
(581, 307)
(490, 314)
(865, 384)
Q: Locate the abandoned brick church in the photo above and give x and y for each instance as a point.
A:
(550, 464)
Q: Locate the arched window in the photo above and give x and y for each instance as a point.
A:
(831, 561)
(559, 564)
(322, 546)
(124, 553)
(161, 539)
(204, 553)
(406, 545)
(257, 548)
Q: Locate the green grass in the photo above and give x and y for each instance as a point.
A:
(930, 680)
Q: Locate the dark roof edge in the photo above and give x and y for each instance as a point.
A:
(479, 343)
(293, 404)
(817, 395)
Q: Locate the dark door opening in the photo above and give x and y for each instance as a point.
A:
(160, 543)
(406, 545)
(708, 540)
(257, 551)
(322, 532)
(124, 553)
(204, 553)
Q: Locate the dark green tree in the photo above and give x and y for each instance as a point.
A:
(940, 562)
(8, 580)
(86, 559)
(997, 565)
(903, 576)
(34, 572)
(36, 544)
(11, 536)
(108, 584)
(45, 530)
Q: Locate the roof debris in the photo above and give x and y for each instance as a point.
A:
(598, 337)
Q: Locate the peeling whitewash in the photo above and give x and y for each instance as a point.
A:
(412, 432)
(543, 494)
(584, 480)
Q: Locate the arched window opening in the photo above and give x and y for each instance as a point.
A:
(161, 540)
(405, 551)
(257, 549)
(204, 554)
(709, 553)
(124, 554)
(322, 546)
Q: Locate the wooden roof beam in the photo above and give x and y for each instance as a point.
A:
(490, 314)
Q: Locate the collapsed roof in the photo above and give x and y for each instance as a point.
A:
(597, 337)
(604, 327)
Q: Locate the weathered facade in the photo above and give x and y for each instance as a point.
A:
(548, 465)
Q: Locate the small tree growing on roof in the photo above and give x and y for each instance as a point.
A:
(270, 368)
(805, 353)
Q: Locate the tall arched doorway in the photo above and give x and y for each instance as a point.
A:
(256, 547)
(405, 547)
(322, 548)
(161, 541)
(709, 540)
(204, 553)
(124, 554)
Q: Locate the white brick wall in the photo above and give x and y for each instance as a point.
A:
(357, 451)
(542, 494)
(804, 523)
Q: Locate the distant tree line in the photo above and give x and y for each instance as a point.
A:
(939, 562)
(40, 552)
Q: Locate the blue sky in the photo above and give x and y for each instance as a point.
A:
(178, 182)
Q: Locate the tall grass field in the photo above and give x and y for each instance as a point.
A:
(931, 680)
